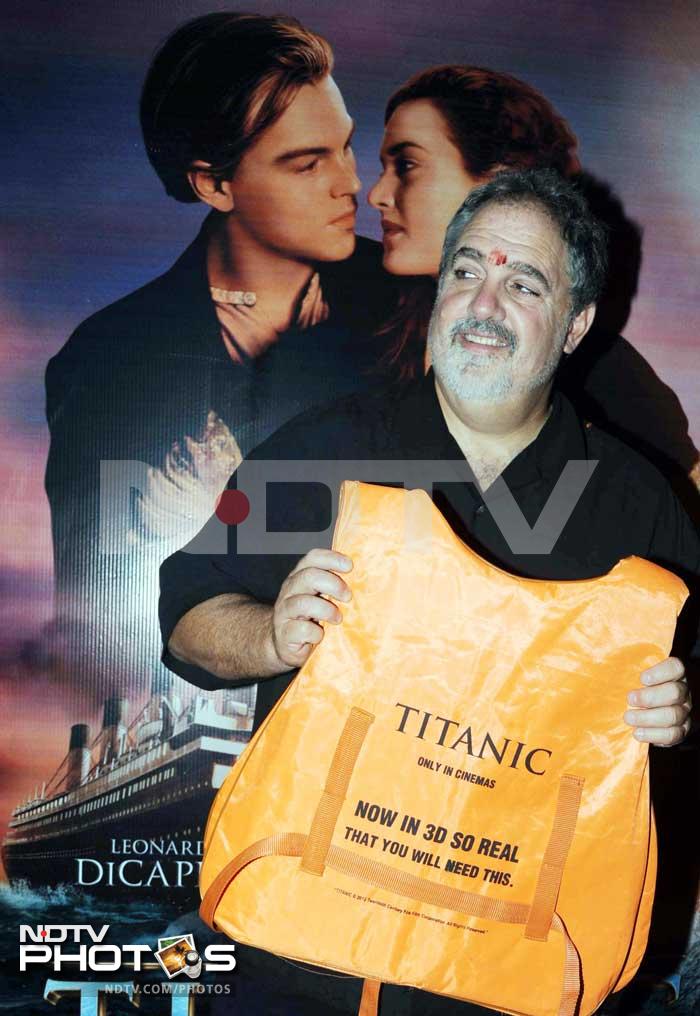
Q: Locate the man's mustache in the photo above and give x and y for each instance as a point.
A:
(487, 327)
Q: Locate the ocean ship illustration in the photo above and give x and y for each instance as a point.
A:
(126, 810)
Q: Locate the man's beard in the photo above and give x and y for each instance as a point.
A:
(467, 374)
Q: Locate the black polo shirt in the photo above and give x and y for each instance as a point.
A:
(626, 506)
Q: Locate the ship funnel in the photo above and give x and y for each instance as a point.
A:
(157, 723)
(150, 729)
(114, 721)
(78, 756)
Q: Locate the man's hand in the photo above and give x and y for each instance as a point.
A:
(661, 713)
(303, 603)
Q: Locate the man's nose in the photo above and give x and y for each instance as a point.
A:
(486, 301)
(381, 195)
(346, 181)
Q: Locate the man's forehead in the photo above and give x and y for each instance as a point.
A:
(311, 120)
(505, 233)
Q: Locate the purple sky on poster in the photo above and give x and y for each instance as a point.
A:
(86, 220)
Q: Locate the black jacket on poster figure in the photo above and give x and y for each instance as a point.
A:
(138, 383)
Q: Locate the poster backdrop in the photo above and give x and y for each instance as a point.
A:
(105, 784)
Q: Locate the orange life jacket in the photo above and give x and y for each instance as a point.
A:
(447, 795)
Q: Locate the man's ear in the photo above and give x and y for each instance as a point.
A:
(215, 193)
(578, 327)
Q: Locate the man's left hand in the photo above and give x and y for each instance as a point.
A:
(660, 712)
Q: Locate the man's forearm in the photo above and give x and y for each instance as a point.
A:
(229, 636)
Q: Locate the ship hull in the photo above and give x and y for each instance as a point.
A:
(138, 837)
(156, 857)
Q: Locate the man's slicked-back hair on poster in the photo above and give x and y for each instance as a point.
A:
(216, 84)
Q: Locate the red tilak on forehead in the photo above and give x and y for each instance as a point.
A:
(497, 257)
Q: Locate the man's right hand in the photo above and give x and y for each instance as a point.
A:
(304, 601)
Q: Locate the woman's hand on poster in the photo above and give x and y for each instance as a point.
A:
(660, 712)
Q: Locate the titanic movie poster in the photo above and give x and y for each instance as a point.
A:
(117, 446)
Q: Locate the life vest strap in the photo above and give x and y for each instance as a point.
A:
(338, 779)
(369, 1003)
(413, 887)
(279, 845)
(544, 901)
(573, 975)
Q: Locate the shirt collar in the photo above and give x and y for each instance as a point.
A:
(562, 438)
(246, 332)
(425, 433)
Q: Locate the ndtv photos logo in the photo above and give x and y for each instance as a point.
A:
(85, 948)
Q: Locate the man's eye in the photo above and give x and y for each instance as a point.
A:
(308, 166)
(464, 273)
(525, 290)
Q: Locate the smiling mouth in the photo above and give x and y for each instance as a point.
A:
(483, 340)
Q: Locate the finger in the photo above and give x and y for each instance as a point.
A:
(328, 560)
(298, 633)
(669, 693)
(662, 737)
(316, 580)
(295, 654)
(667, 716)
(668, 670)
(309, 607)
